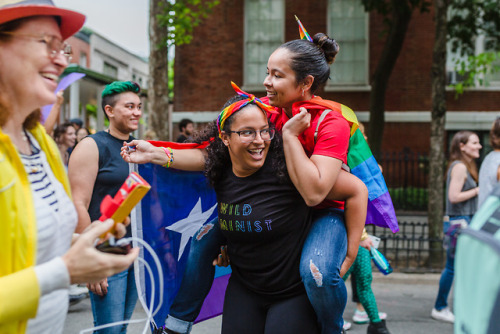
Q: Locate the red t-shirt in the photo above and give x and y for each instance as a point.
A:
(332, 139)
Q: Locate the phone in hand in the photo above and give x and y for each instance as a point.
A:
(118, 208)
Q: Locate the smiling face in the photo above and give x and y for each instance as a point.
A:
(472, 147)
(247, 158)
(124, 116)
(69, 137)
(28, 75)
(281, 84)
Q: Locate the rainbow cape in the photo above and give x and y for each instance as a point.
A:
(360, 160)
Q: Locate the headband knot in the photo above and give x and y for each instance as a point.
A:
(234, 107)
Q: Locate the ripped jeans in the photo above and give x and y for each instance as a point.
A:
(323, 252)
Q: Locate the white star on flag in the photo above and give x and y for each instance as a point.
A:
(188, 226)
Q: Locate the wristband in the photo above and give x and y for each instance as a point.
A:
(170, 156)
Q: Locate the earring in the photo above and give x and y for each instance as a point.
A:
(302, 91)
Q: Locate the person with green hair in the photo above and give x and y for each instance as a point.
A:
(95, 170)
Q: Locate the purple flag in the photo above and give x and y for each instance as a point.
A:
(63, 84)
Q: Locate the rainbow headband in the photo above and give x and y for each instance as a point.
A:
(234, 107)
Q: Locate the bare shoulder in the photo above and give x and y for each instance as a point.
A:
(86, 152)
(459, 170)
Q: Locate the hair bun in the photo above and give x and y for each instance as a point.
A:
(328, 45)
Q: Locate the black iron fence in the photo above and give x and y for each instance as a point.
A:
(407, 175)
(410, 249)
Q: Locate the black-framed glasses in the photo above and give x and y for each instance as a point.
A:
(55, 45)
(248, 136)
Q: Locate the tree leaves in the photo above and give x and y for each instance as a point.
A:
(180, 17)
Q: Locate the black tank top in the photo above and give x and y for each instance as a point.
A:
(113, 171)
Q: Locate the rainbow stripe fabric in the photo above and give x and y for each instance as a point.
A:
(234, 107)
(302, 31)
(361, 162)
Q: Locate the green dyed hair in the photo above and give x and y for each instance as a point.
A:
(111, 91)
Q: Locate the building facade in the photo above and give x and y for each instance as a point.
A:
(102, 61)
(235, 41)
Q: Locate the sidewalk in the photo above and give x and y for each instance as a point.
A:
(406, 298)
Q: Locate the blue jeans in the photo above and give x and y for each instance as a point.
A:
(117, 305)
(197, 279)
(446, 280)
(325, 248)
(323, 252)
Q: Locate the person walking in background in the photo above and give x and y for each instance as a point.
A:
(77, 123)
(38, 261)
(489, 173)
(81, 133)
(186, 127)
(96, 169)
(65, 137)
(461, 204)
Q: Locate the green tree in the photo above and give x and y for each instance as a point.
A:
(459, 21)
(397, 15)
(171, 22)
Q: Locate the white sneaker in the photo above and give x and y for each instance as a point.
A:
(347, 325)
(443, 315)
(361, 317)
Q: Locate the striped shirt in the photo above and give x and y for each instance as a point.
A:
(56, 221)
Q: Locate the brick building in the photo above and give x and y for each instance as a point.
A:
(235, 41)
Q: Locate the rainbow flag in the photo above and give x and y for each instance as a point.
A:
(360, 160)
(363, 164)
(177, 206)
(302, 31)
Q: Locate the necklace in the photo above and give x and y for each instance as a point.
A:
(23, 135)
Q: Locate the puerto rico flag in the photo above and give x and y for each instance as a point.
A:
(177, 206)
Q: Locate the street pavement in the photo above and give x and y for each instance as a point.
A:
(406, 298)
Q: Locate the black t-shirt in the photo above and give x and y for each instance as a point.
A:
(112, 172)
(182, 138)
(265, 223)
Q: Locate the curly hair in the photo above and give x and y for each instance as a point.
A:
(217, 158)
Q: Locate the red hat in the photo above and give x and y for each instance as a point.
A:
(11, 10)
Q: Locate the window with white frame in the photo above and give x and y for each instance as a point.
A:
(492, 78)
(348, 25)
(453, 59)
(264, 32)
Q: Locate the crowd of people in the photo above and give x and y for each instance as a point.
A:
(284, 155)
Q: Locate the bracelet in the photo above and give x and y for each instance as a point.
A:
(170, 156)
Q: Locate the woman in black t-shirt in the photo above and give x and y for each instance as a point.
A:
(262, 216)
